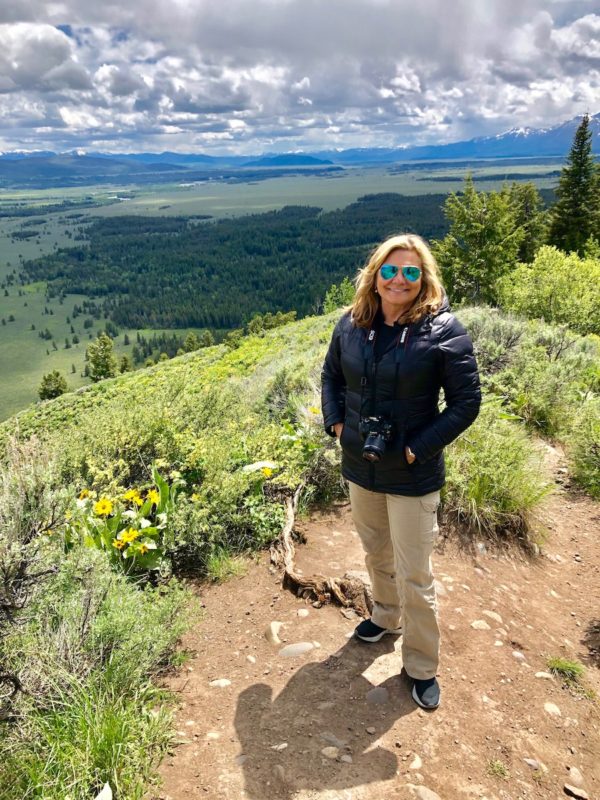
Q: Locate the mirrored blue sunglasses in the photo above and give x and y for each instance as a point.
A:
(409, 271)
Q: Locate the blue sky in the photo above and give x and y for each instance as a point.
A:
(251, 76)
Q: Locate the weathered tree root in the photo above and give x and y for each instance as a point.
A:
(350, 591)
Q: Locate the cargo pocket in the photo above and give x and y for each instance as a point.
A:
(430, 502)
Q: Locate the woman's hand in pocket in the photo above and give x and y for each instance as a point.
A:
(338, 428)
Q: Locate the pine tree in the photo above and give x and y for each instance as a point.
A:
(102, 360)
(482, 244)
(206, 339)
(532, 217)
(575, 214)
(53, 385)
(191, 342)
(125, 364)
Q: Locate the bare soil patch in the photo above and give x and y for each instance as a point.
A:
(338, 721)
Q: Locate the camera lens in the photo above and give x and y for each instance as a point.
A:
(374, 447)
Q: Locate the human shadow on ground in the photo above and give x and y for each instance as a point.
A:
(325, 704)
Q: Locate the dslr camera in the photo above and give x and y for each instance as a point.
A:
(376, 432)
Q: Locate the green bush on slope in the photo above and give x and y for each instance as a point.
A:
(556, 287)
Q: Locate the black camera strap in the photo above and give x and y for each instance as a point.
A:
(370, 367)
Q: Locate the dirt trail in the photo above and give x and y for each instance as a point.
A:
(338, 721)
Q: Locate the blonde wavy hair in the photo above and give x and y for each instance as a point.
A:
(429, 299)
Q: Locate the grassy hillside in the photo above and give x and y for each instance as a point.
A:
(107, 493)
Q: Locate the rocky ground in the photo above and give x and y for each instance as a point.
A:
(319, 715)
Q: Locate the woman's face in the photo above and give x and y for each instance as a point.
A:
(398, 293)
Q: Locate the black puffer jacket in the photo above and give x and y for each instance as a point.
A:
(402, 386)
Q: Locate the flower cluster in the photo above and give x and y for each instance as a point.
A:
(129, 527)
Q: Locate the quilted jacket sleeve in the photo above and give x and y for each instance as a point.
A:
(460, 382)
(333, 384)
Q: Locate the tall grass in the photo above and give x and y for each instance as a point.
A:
(86, 657)
(495, 478)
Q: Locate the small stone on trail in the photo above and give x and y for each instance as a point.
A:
(239, 760)
(545, 676)
(576, 791)
(371, 731)
(423, 793)
(440, 589)
(518, 655)
(531, 762)
(303, 612)
(550, 708)
(347, 759)
(492, 615)
(480, 625)
(416, 763)
(330, 752)
(220, 683)
(498, 643)
(279, 747)
(272, 632)
(378, 695)
(251, 659)
(296, 649)
(575, 776)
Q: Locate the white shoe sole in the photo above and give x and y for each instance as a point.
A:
(390, 631)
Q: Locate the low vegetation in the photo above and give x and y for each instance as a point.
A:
(109, 493)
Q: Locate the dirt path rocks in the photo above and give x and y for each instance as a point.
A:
(279, 702)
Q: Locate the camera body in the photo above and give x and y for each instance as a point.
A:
(376, 432)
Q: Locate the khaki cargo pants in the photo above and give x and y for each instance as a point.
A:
(397, 534)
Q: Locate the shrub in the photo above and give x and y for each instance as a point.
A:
(494, 478)
(583, 446)
(91, 643)
(53, 385)
(496, 336)
(556, 287)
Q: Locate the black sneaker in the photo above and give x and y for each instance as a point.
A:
(426, 693)
(369, 632)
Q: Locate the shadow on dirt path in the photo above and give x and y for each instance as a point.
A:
(330, 710)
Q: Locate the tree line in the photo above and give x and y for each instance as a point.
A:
(160, 272)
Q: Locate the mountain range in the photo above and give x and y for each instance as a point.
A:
(80, 167)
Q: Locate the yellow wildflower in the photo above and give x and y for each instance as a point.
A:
(314, 410)
(143, 549)
(267, 472)
(84, 493)
(153, 496)
(119, 544)
(103, 507)
(195, 497)
(130, 535)
(133, 496)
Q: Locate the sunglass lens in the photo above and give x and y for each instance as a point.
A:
(388, 271)
(411, 274)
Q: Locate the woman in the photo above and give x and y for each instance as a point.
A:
(389, 356)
